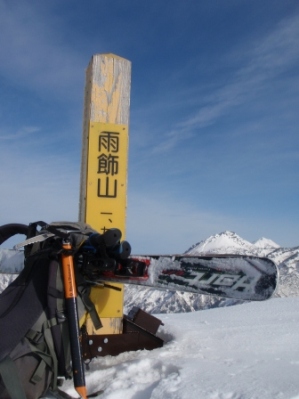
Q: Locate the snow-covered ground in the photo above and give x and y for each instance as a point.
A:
(247, 351)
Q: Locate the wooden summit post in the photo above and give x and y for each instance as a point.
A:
(103, 191)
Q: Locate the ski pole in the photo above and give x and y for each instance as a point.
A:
(70, 292)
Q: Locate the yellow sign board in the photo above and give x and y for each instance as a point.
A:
(109, 305)
(103, 193)
(106, 205)
(106, 190)
(109, 297)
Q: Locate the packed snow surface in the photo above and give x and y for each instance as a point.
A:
(249, 351)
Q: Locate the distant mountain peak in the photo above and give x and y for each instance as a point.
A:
(266, 243)
(225, 242)
(228, 242)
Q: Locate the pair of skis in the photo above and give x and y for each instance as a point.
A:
(241, 277)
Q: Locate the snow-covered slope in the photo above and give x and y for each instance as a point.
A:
(227, 241)
(265, 244)
(286, 259)
(11, 260)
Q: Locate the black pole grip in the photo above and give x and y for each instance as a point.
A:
(110, 238)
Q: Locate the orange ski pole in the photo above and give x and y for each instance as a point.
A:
(70, 292)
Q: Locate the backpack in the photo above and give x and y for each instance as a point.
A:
(34, 336)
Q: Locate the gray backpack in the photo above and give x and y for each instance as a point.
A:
(34, 337)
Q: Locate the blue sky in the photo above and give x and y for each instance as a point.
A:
(214, 141)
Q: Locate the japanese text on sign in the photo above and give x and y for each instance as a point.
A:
(108, 164)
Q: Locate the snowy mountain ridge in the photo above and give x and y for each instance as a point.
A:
(227, 242)
(266, 243)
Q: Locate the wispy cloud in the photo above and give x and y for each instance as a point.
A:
(265, 60)
(171, 139)
(33, 53)
(21, 133)
(260, 63)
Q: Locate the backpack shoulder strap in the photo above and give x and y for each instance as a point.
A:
(11, 229)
